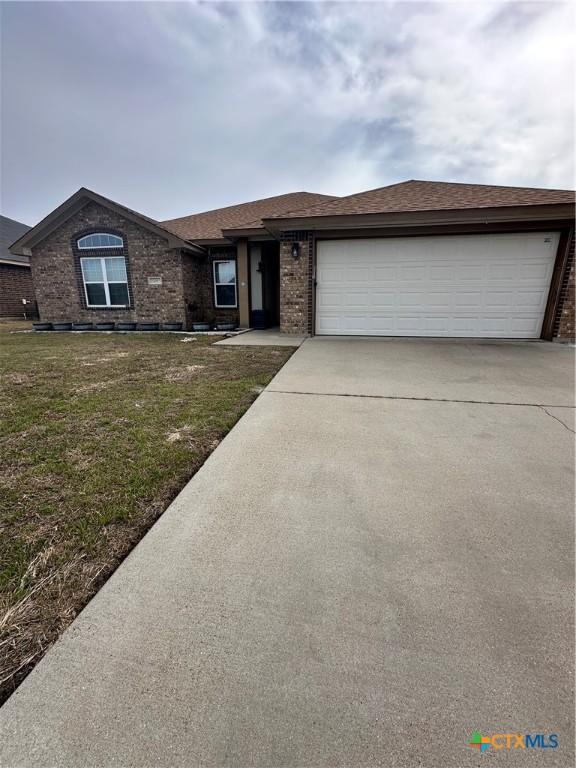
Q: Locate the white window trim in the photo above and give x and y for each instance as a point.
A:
(104, 282)
(98, 247)
(225, 306)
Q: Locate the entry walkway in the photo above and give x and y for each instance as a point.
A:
(271, 337)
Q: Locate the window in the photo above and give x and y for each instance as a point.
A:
(100, 240)
(225, 283)
(105, 281)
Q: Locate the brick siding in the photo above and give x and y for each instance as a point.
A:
(199, 289)
(296, 283)
(15, 285)
(565, 326)
(58, 280)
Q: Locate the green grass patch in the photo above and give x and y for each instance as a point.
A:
(99, 432)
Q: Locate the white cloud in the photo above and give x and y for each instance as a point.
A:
(475, 91)
(211, 104)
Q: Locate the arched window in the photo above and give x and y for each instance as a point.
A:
(104, 270)
(100, 240)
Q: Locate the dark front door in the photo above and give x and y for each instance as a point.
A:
(265, 285)
(271, 284)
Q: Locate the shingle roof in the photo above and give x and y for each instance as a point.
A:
(10, 231)
(149, 219)
(432, 196)
(21, 244)
(209, 225)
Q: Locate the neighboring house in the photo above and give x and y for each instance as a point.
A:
(16, 289)
(417, 258)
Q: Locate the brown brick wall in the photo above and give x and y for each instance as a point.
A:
(58, 282)
(191, 275)
(565, 326)
(296, 276)
(199, 289)
(15, 285)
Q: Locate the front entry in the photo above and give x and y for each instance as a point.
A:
(264, 285)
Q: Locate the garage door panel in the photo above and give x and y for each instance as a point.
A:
(480, 285)
(525, 324)
(336, 275)
(412, 272)
(361, 275)
(357, 299)
(408, 323)
(330, 300)
(328, 324)
(496, 299)
(494, 324)
(531, 299)
(440, 300)
(467, 272)
(380, 299)
(385, 274)
(469, 299)
(441, 272)
(463, 326)
(386, 322)
(355, 323)
(529, 271)
(406, 299)
(437, 324)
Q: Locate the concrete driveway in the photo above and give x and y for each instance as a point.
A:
(376, 562)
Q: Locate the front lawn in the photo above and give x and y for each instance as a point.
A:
(99, 432)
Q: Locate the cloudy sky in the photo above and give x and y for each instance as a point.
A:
(172, 108)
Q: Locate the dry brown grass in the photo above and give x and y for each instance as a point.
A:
(98, 434)
(15, 325)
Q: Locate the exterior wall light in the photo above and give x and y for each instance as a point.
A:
(295, 251)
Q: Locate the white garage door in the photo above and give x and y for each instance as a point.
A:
(464, 285)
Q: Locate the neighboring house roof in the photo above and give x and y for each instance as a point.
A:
(209, 225)
(431, 196)
(77, 201)
(10, 231)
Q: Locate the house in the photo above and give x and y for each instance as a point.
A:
(16, 289)
(417, 258)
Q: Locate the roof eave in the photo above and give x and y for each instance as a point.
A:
(248, 233)
(15, 263)
(209, 242)
(193, 247)
(549, 211)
